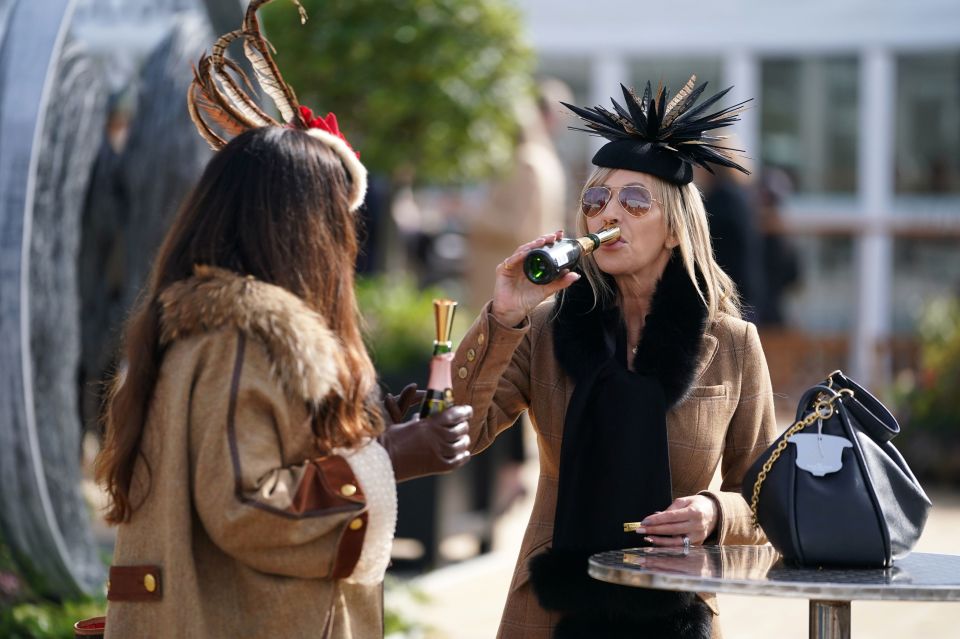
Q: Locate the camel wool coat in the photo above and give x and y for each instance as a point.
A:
(726, 420)
(247, 529)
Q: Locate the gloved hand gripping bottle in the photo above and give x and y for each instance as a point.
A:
(543, 265)
(439, 394)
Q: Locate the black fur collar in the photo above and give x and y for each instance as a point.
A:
(584, 334)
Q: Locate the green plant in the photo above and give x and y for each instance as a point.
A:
(928, 399)
(47, 620)
(418, 86)
(400, 598)
(400, 326)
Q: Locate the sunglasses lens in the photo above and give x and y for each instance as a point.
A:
(635, 200)
(593, 200)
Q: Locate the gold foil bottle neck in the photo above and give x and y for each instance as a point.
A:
(443, 312)
(592, 241)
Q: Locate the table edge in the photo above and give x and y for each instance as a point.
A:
(799, 590)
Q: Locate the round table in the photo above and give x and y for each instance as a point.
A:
(759, 570)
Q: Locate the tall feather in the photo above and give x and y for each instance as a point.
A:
(677, 99)
(257, 50)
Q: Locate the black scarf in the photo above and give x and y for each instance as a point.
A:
(614, 460)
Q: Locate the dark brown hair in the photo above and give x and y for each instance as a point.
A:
(272, 204)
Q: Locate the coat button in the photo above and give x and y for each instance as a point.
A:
(480, 339)
(348, 490)
(149, 582)
(462, 373)
(356, 524)
(471, 355)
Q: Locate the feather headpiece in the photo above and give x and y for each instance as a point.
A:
(663, 137)
(221, 108)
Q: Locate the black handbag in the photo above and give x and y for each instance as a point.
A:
(833, 490)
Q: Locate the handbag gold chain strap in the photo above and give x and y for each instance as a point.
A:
(822, 409)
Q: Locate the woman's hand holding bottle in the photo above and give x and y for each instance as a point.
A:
(514, 296)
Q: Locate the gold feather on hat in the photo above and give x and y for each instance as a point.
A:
(677, 99)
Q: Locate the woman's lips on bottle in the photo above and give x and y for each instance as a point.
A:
(613, 245)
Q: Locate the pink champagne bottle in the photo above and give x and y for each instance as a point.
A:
(439, 394)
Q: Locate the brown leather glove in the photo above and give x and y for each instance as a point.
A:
(436, 444)
(397, 406)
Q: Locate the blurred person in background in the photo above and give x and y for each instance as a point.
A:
(735, 231)
(639, 376)
(529, 199)
(248, 465)
(781, 267)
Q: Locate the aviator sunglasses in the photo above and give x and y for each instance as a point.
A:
(634, 198)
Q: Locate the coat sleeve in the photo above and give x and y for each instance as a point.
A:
(752, 429)
(491, 373)
(306, 519)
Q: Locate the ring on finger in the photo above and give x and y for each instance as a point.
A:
(686, 542)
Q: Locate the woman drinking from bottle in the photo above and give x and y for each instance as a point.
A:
(639, 375)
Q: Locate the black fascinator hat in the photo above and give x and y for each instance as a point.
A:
(661, 137)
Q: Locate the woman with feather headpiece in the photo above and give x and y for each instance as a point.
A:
(246, 457)
(639, 375)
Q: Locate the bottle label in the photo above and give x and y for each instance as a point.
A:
(439, 394)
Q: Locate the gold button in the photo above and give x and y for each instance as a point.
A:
(480, 339)
(348, 490)
(149, 582)
(462, 373)
(471, 355)
(356, 524)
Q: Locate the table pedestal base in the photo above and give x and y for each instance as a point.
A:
(829, 619)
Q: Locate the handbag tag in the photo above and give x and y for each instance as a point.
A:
(819, 454)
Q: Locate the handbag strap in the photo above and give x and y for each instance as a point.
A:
(822, 409)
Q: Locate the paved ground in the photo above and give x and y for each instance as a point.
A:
(465, 600)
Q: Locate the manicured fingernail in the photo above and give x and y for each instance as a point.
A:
(650, 539)
(640, 531)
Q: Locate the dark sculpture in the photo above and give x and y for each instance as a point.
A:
(50, 115)
(59, 298)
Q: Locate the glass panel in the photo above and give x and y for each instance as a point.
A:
(809, 121)
(928, 123)
(923, 269)
(824, 299)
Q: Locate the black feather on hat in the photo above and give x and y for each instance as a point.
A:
(666, 139)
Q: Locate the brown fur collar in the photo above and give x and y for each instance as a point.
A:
(304, 352)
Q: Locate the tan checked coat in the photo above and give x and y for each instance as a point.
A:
(247, 529)
(727, 420)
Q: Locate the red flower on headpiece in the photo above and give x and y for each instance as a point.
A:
(328, 124)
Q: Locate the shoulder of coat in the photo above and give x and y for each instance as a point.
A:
(727, 328)
(304, 353)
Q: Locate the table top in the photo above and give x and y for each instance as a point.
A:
(759, 570)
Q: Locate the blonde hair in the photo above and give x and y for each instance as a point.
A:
(686, 220)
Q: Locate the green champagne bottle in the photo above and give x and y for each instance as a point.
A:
(543, 265)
